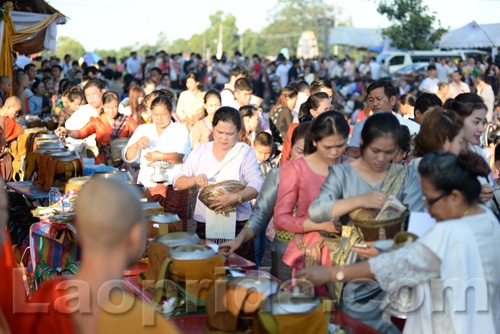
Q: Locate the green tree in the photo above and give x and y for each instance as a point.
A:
(67, 45)
(289, 20)
(412, 24)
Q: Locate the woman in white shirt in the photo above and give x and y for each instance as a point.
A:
(163, 140)
(460, 252)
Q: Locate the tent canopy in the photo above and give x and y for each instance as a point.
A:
(472, 35)
(357, 37)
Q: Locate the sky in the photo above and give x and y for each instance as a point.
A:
(111, 24)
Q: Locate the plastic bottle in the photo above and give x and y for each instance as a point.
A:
(66, 204)
(56, 195)
(51, 196)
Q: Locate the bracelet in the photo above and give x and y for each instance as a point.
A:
(240, 199)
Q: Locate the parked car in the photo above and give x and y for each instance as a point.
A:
(415, 71)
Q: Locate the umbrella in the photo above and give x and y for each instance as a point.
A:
(91, 58)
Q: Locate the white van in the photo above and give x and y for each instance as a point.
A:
(396, 60)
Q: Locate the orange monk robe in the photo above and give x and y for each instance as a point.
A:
(12, 129)
(49, 320)
(101, 127)
(11, 284)
(133, 317)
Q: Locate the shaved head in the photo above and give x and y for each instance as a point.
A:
(106, 211)
(12, 107)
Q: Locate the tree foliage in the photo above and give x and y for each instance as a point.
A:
(67, 45)
(286, 22)
(412, 24)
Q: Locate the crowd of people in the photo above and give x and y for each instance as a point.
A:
(341, 135)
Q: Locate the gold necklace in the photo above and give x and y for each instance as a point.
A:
(469, 210)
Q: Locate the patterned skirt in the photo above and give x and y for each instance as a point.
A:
(173, 201)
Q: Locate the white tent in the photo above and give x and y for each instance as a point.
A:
(357, 37)
(472, 35)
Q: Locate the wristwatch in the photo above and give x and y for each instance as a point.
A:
(340, 276)
(240, 199)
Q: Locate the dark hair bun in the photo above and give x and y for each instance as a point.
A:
(474, 163)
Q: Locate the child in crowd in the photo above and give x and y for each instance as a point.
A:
(250, 117)
(264, 147)
(242, 92)
(75, 99)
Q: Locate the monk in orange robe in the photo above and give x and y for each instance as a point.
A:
(112, 236)
(108, 126)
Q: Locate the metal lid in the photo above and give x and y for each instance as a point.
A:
(191, 252)
(115, 175)
(290, 302)
(264, 285)
(151, 205)
(48, 135)
(65, 157)
(162, 217)
(79, 180)
(29, 130)
(177, 239)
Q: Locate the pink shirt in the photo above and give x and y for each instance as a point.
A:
(300, 189)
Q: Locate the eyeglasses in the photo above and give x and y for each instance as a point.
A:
(434, 201)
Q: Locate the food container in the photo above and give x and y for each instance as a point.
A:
(177, 239)
(152, 207)
(264, 285)
(215, 190)
(162, 223)
(290, 302)
(76, 183)
(59, 151)
(46, 135)
(370, 229)
(160, 171)
(117, 146)
(64, 157)
(191, 252)
(50, 145)
(122, 176)
(29, 130)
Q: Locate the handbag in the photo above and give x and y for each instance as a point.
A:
(54, 246)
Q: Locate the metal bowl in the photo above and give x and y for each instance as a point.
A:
(29, 130)
(151, 206)
(65, 157)
(163, 222)
(290, 302)
(214, 190)
(122, 176)
(177, 239)
(49, 145)
(264, 285)
(191, 252)
(52, 151)
(46, 135)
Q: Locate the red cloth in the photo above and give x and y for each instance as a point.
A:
(9, 273)
(51, 321)
(286, 152)
(301, 189)
(101, 127)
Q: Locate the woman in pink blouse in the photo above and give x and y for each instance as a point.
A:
(324, 145)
